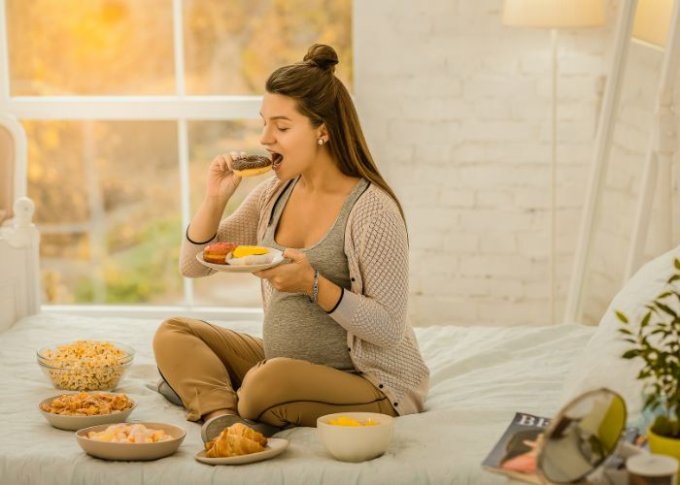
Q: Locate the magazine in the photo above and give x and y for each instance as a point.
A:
(515, 452)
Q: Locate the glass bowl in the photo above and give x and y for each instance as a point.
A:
(85, 365)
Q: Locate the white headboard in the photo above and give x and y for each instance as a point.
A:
(13, 163)
(19, 266)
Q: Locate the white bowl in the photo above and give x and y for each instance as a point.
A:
(356, 443)
(131, 451)
(74, 423)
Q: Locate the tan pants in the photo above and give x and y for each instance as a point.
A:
(211, 368)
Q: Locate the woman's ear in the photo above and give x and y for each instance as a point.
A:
(322, 133)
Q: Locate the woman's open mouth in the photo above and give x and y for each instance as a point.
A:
(277, 158)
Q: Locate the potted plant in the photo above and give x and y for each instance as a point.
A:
(656, 341)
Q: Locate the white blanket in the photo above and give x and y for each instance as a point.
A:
(480, 377)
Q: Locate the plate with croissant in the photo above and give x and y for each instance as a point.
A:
(238, 444)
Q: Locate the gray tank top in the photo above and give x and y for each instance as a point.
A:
(294, 327)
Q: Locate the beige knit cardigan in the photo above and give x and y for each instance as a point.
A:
(382, 342)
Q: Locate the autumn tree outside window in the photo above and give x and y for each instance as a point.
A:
(124, 103)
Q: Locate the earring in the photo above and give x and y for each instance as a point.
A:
(320, 141)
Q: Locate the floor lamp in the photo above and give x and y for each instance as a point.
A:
(553, 14)
(656, 25)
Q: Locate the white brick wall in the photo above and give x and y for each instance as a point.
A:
(622, 183)
(456, 109)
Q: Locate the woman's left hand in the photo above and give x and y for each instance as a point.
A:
(294, 277)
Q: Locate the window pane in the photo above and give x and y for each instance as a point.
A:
(208, 139)
(97, 47)
(232, 47)
(108, 207)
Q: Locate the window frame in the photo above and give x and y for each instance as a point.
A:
(180, 108)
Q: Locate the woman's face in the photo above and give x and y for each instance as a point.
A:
(288, 136)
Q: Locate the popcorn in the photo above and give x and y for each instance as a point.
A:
(85, 365)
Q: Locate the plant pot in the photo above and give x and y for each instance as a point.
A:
(661, 445)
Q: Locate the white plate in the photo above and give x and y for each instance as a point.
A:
(275, 446)
(74, 423)
(278, 259)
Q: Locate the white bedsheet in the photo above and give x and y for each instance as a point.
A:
(480, 377)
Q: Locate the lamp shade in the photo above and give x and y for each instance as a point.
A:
(553, 13)
(652, 21)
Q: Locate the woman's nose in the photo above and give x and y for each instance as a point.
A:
(266, 137)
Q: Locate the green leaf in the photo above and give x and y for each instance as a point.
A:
(645, 320)
(625, 331)
(630, 354)
(676, 263)
(664, 294)
(667, 309)
(621, 316)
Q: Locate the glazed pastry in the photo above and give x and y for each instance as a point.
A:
(238, 439)
(217, 252)
(251, 165)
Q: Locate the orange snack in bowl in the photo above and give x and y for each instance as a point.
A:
(87, 404)
(347, 421)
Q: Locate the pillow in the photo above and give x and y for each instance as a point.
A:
(600, 363)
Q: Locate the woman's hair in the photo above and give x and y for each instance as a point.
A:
(322, 97)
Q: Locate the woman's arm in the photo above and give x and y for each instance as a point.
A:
(380, 245)
(240, 227)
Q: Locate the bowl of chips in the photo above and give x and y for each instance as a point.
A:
(355, 437)
(80, 410)
(85, 365)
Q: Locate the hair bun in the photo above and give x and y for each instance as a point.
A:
(322, 56)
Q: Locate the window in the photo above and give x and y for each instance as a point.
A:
(124, 104)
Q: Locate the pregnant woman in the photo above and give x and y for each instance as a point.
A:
(335, 333)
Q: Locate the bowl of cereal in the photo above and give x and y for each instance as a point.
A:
(85, 365)
(355, 437)
(84, 409)
(131, 441)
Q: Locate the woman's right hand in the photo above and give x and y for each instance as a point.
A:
(222, 181)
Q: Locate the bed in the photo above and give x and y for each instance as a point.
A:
(480, 377)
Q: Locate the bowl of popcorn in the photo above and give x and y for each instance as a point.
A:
(80, 410)
(131, 441)
(355, 437)
(85, 365)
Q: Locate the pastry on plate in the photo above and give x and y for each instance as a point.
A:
(217, 252)
(238, 439)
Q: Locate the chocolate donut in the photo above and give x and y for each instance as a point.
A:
(251, 165)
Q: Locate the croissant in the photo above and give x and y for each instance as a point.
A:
(237, 439)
